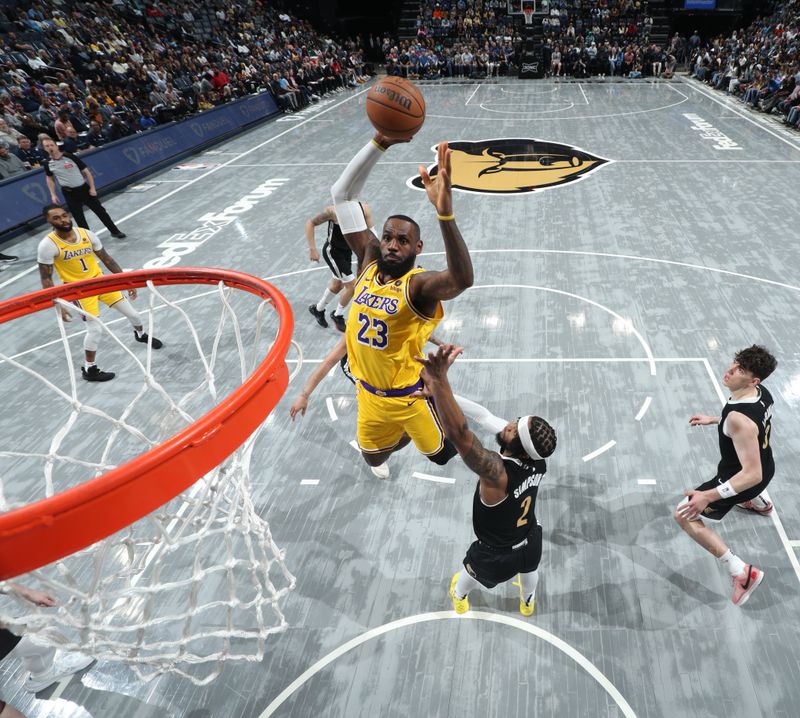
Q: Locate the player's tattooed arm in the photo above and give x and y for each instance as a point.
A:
(487, 464)
(109, 261)
(46, 275)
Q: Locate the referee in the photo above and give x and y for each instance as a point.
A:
(77, 185)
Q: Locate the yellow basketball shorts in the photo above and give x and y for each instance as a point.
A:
(382, 421)
(91, 305)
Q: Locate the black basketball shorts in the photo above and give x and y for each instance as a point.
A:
(490, 566)
(716, 510)
(339, 258)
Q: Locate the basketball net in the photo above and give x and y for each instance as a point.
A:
(197, 582)
(527, 13)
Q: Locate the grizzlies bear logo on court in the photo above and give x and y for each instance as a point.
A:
(515, 166)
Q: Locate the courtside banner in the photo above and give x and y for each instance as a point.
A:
(114, 165)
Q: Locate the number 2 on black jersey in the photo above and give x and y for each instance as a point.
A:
(526, 506)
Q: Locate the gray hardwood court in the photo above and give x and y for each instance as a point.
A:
(610, 303)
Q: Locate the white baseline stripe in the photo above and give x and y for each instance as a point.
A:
(594, 454)
(586, 99)
(19, 276)
(354, 444)
(644, 408)
(60, 686)
(331, 410)
(646, 482)
(431, 477)
(742, 115)
(477, 87)
(794, 544)
(309, 482)
(553, 640)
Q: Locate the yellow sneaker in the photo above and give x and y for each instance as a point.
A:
(526, 609)
(460, 605)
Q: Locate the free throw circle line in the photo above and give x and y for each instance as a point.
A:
(555, 641)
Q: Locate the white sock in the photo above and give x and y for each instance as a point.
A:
(339, 311)
(88, 365)
(465, 584)
(326, 297)
(734, 564)
(528, 582)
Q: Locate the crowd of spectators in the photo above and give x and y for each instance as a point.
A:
(759, 64)
(478, 38)
(90, 72)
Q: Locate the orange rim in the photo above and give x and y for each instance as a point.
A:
(45, 531)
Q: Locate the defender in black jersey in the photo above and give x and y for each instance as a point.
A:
(339, 258)
(509, 538)
(745, 468)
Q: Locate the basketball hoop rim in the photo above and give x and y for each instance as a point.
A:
(49, 529)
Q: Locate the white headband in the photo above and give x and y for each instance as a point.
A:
(525, 438)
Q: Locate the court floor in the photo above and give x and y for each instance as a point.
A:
(610, 300)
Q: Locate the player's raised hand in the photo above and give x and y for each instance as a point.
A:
(702, 420)
(439, 187)
(387, 142)
(65, 315)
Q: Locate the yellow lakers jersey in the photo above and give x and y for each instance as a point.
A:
(76, 260)
(385, 331)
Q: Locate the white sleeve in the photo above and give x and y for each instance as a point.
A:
(97, 245)
(480, 415)
(46, 252)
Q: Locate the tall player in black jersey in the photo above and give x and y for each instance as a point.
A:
(339, 258)
(509, 538)
(745, 467)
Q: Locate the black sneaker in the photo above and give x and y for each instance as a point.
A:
(157, 343)
(338, 321)
(119, 235)
(318, 315)
(8, 258)
(94, 374)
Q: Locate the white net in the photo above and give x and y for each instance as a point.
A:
(198, 582)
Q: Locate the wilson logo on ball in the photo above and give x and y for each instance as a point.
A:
(514, 166)
(394, 96)
(396, 108)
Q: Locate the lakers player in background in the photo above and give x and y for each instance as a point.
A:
(395, 307)
(74, 252)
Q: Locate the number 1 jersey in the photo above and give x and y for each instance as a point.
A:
(385, 332)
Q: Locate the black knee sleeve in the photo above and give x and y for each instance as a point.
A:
(447, 452)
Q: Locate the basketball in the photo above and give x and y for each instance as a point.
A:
(396, 108)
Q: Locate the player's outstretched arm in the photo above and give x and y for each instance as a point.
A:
(345, 193)
(431, 287)
(486, 464)
(703, 420)
(300, 404)
(326, 215)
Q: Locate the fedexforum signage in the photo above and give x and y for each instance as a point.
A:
(709, 132)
